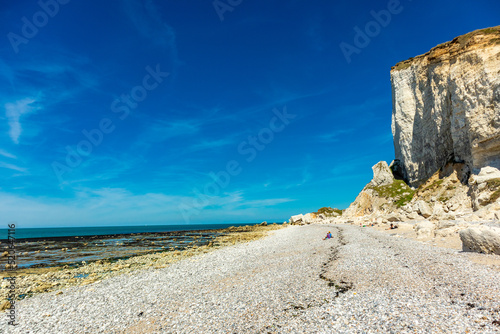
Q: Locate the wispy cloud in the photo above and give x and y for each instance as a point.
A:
(41, 83)
(283, 99)
(305, 174)
(64, 72)
(107, 206)
(233, 204)
(101, 168)
(333, 136)
(7, 154)
(266, 202)
(148, 21)
(14, 111)
(12, 167)
(119, 206)
(210, 144)
(159, 131)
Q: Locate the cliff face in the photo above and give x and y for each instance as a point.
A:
(446, 127)
(446, 107)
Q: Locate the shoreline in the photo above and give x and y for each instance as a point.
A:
(114, 235)
(36, 280)
(361, 280)
(52, 251)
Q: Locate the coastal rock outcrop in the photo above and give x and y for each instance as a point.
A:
(485, 187)
(445, 178)
(382, 195)
(301, 219)
(382, 175)
(297, 219)
(423, 209)
(442, 196)
(446, 106)
(482, 239)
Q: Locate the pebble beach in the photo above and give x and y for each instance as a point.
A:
(291, 281)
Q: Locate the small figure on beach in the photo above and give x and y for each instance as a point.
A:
(392, 227)
(328, 236)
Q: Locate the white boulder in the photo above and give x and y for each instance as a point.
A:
(297, 219)
(424, 229)
(481, 239)
(413, 216)
(423, 209)
(486, 174)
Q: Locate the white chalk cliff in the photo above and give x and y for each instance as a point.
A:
(446, 107)
(446, 128)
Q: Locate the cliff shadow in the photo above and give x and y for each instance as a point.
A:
(432, 142)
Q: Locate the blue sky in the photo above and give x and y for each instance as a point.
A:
(131, 112)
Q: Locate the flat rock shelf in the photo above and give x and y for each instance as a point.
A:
(292, 281)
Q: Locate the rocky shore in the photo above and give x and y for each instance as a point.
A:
(440, 211)
(32, 281)
(360, 281)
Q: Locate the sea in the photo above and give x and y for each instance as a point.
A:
(53, 232)
(46, 247)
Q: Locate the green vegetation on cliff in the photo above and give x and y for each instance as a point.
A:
(327, 211)
(453, 47)
(464, 39)
(494, 185)
(398, 192)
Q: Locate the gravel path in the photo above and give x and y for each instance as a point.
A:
(361, 281)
